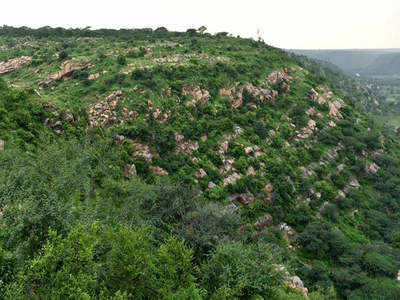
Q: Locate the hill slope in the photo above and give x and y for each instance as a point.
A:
(183, 165)
(384, 65)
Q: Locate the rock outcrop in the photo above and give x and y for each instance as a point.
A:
(67, 70)
(14, 64)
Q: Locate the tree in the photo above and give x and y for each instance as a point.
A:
(202, 29)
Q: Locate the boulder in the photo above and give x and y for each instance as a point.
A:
(211, 185)
(264, 221)
(372, 168)
(269, 188)
(200, 173)
(130, 171)
(296, 283)
(244, 199)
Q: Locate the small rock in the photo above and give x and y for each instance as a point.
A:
(211, 185)
(373, 168)
(130, 171)
(269, 188)
(200, 173)
(264, 221)
(1, 145)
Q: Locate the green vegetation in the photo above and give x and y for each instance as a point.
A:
(164, 165)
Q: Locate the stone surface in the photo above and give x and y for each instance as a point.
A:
(372, 168)
(67, 70)
(14, 64)
(156, 170)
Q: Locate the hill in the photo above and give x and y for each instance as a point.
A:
(156, 164)
(384, 65)
(362, 61)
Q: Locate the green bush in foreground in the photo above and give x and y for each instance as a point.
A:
(92, 261)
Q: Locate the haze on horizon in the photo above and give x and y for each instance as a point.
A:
(290, 24)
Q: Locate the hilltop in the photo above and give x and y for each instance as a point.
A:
(156, 164)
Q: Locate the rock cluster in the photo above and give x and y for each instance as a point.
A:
(195, 95)
(185, 146)
(235, 93)
(142, 150)
(308, 130)
(107, 112)
(172, 60)
(14, 64)
(334, 108)
(279, 76)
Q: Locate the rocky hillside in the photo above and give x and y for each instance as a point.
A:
(158, 164)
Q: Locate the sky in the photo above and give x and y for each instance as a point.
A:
(290, 24)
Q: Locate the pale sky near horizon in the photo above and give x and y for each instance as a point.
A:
(300, 24)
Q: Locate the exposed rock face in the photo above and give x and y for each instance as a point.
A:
(307, 172)
(14, 64)
(334, 108)
(308, 130)
(234, 94)
(264, 221)
(156, 170)
(231, 179)
(196, 94)
(93, 76)
(279, 76)
(200, 173)
(269, 188)
(142, 150)
(114, 95)
(211, 185)
(259, 93)
(244, 199)
(352, 184)
(67, 70)
(105, 112)
(372, 168)
(159, 115)
(130, 171)
(296, 283)
(185, 146)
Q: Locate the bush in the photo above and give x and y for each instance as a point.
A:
(92, 261)
(121, 60)
(235, 270)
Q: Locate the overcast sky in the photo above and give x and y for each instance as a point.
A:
(302, 24)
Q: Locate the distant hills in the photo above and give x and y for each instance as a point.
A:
(369, 62)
